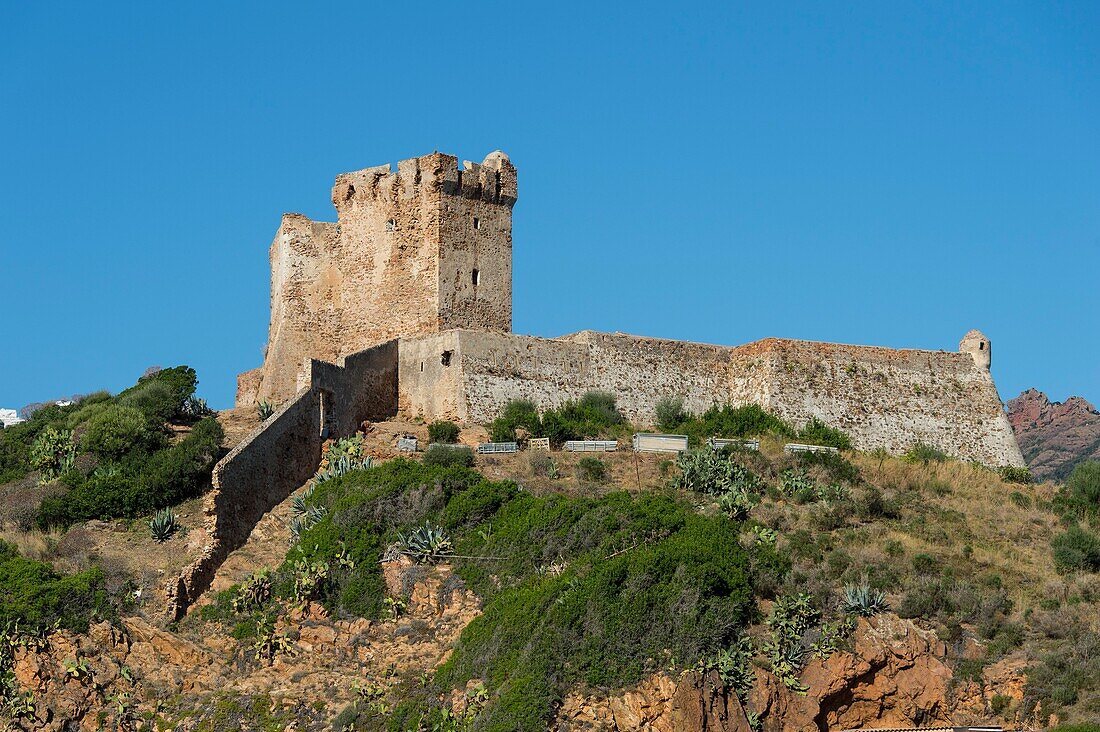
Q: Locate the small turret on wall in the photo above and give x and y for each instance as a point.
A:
(978, 346)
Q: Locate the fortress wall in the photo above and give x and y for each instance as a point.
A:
(497, 367)
(882, 397)
(426, 387)
(890, 398)
(280, 455)
(642, 371)
(275, 459)
(303, 284)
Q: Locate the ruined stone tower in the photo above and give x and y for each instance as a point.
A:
(421, 250)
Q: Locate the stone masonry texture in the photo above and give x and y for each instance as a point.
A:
(404, 304)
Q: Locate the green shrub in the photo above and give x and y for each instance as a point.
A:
(542, 465)
(143, 483)
(1080, 496)
(1076, 550)
(836, 467)
(817, 432)
(444, 456)
(593, 415)
(669, 413)
(1014, 474)
(582, 590)
(925, 564)
(444, 432)
(161, 396)
(52, 453)
(516, 413)
(926, 597)
(923, 453)
(749, 420)
(115, 431)
(591, 469)
(36, 596)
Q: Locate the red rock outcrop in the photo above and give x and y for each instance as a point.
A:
(1054, 437)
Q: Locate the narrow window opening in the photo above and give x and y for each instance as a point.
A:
(981, 346)
(391, 225)
(422, 366)
(445, 358)
(475, 277)
(477, 223)
(327, 418)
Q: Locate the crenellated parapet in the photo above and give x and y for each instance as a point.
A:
(493, 180)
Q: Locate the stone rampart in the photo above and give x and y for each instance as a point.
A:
(884, 398)
(282, 454)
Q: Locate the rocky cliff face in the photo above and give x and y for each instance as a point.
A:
(1054, 437)
(895, 675)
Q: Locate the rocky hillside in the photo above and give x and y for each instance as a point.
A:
(754, 591)
(1054, 436)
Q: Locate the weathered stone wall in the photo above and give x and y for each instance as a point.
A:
(305, 290)
(890, 398)
(416, 251)
(280, 455)
(882, 397)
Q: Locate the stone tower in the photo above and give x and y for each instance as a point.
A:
(978, 346)
(421, 250)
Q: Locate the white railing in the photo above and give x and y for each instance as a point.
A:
(647, 442)
(591, 446)
(497, 447)
(717, 443)
(797, 447)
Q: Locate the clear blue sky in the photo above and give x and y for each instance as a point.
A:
(877, 173)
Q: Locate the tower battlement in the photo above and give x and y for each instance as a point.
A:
(492, 181)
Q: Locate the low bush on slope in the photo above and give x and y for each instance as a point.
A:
(598, 590)
(35, 596)
(594, 415)
(113, 456)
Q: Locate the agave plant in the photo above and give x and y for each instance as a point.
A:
(298, 505)
(310, 517)
(426, 543)
(195, 407)
(163, 525)
(264, 409)
(864, 600)
(340, 467)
